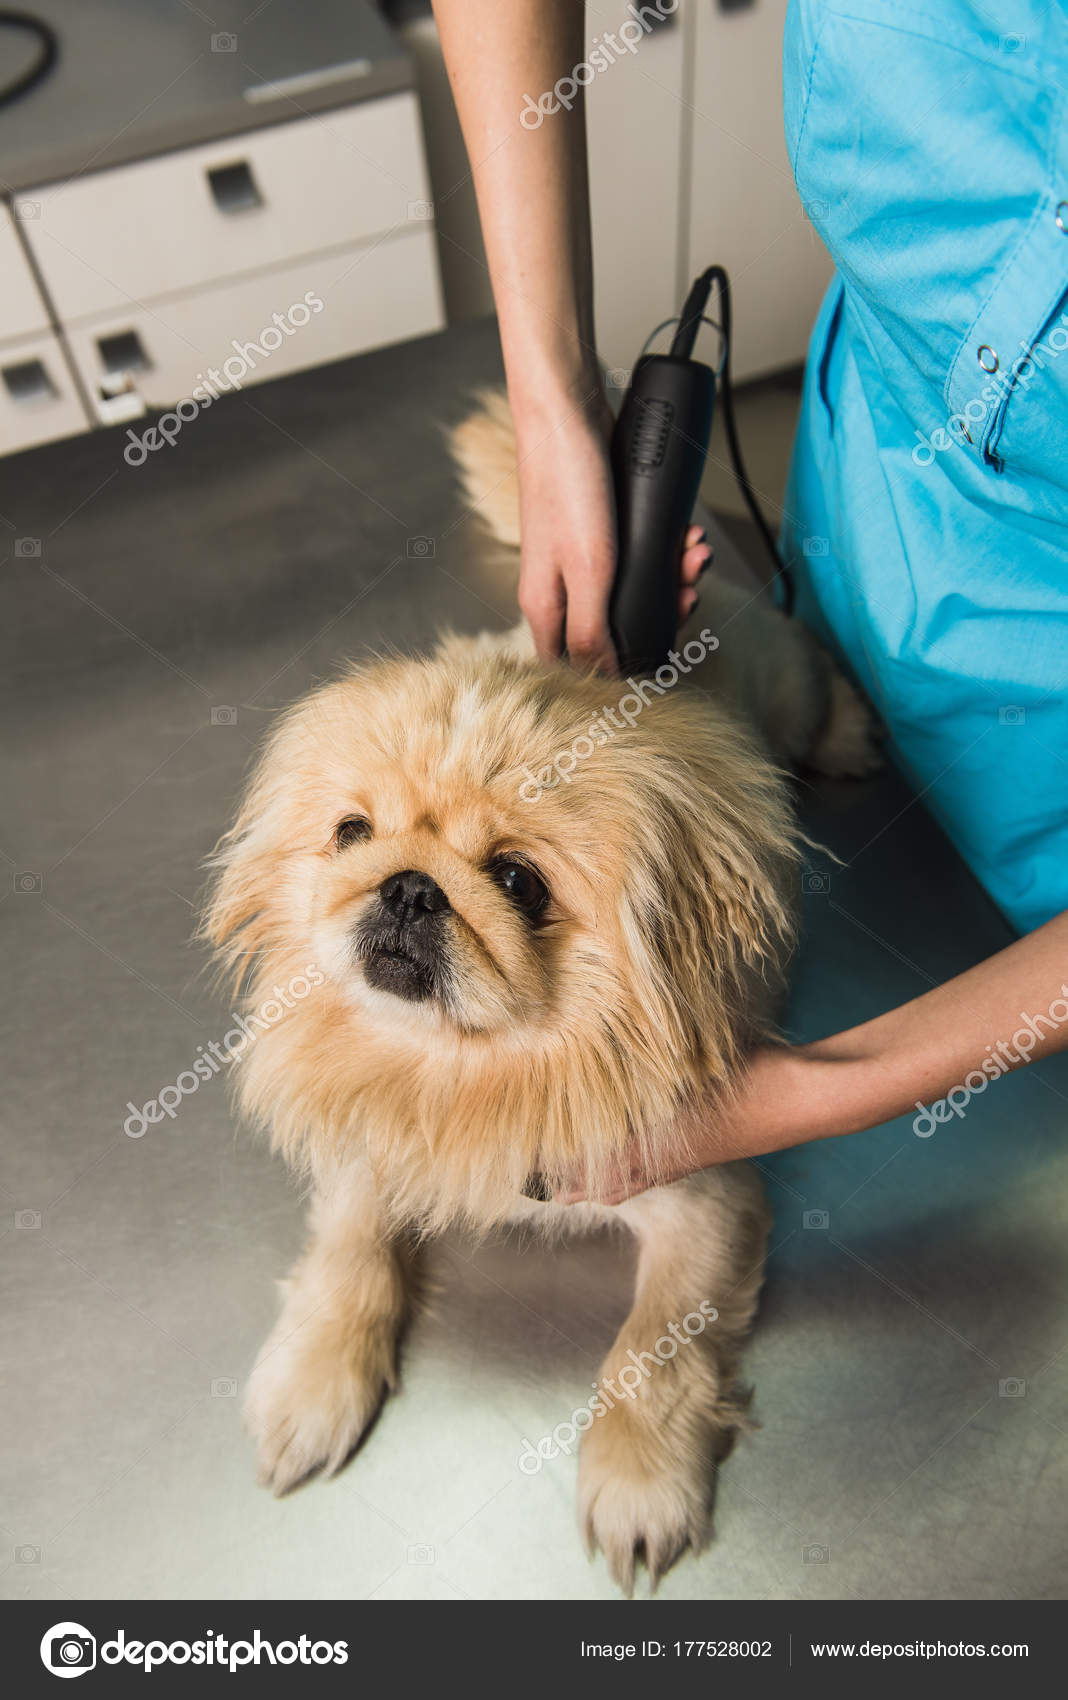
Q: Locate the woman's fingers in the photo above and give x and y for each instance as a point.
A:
(568, 527)
(625, 1178)
(543, 609)
(696, 555)
(589, 642)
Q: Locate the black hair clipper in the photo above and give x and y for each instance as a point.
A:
(658, 455)
(659, 447)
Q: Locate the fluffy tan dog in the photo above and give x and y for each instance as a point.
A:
(544, 926)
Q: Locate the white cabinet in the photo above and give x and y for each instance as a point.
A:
(255, 328)
(744, 209)
(38, 398)
(636, 124)
(118, 238)
(22, 307)
(255, 256)
(688, 168)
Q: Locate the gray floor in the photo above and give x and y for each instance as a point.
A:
(228, 573)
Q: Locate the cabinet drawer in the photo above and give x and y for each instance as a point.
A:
(107, 242)
(22, 308)
(38, 398)
(259, 328)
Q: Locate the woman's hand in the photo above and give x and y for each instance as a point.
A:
(568, 528)
(533, 198)
(998, 1016)
(772, 1107)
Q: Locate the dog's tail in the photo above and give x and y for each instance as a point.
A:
(483, 447)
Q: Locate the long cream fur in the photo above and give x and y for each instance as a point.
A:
(670, 856)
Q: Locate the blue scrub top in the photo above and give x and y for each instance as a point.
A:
(928, 498)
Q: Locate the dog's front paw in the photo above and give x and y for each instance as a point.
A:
(312, 1394)
(639, 1496)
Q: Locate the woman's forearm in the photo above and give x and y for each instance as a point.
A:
(928, 1053)
(984, 1023)
(531, 184)
(506, 58)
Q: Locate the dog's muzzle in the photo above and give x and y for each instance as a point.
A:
(401, 942)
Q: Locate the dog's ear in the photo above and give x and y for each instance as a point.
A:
(710, 891)
(243, 915)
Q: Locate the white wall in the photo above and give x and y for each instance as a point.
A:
(688, 167)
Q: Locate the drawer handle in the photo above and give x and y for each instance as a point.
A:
(28, 381)
(233, 187)
(123, 352)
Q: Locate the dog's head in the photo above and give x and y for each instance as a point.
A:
(538, 902)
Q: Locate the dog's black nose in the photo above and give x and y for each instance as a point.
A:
(410, 895)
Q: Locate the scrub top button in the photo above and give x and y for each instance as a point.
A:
(1061, 216)
(988, 360)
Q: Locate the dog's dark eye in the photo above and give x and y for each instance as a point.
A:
(526, 889)
(351, 831)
